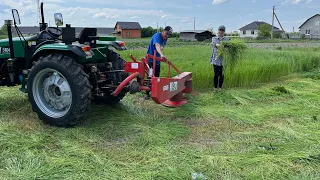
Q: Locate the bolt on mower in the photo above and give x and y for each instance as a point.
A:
(62, 74)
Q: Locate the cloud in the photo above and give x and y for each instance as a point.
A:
(297, 1)
(185, 21)
(175, 5)
(220, 1)
(79, 16)
(135, 17)
(122, 3)
(164, 17)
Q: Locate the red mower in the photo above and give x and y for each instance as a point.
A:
(168, 91)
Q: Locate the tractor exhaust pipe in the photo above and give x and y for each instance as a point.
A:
(8, 23)
(10, 61)
(42, 14)
(43, 25)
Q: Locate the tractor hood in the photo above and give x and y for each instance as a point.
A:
(4, 42)
(17, 45)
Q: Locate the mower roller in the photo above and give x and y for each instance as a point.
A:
(62, 74)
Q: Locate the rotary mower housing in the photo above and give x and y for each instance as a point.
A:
(62, 74)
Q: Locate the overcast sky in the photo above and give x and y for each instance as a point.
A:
(178, 14)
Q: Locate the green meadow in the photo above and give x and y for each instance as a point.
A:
(265, 124)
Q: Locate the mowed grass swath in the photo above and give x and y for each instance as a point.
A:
(255, 65)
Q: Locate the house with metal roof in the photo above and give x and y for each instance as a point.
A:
(127, 30)
(252, 30)
(311, 27)
(195, 35)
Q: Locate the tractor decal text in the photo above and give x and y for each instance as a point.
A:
(165, 88)
(134, 66)
(173, 86)
(4, 50)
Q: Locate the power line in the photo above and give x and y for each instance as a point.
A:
(287, 14)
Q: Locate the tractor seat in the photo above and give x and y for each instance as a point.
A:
(88, 36)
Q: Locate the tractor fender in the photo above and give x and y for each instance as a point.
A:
(117, 46)
(72, 50)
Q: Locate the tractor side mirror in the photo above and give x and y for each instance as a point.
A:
(16, 17)
(58, 19)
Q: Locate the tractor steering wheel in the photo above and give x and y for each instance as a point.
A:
(54, 35)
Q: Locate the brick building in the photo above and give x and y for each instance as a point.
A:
(127, 30)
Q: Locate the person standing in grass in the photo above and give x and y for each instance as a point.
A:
(216, 60)
(158, 42)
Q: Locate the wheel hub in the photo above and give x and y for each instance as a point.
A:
(57, 92)
(52, 93)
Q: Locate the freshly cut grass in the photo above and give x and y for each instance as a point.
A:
(254, 133)
(256, 65)
(231, 52)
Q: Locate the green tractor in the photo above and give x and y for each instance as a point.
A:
(61, 73)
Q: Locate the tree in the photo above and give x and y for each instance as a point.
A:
(264, 30)
(3, 30)
(148, 32)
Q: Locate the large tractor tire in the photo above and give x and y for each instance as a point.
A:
(59, 90)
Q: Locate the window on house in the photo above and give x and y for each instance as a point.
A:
(128, 34)
(307, 32)
(252, 32)
(317, 23)
(244, 32)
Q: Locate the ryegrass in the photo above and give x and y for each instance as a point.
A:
(256, 65)
(236, 134)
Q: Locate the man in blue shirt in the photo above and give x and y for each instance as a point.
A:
(158, 42)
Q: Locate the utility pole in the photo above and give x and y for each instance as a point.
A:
(165, 24)
(38, 12)
(157, 27)
(272, 22)
(194, 23)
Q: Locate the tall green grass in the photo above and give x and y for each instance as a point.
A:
(255, 66)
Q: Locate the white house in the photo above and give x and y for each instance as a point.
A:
(251, 30)
(311, 27)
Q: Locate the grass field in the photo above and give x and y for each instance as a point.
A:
(257, 66)
(268, 128)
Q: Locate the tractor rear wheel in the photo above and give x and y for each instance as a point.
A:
(117, 64)
(59, 90)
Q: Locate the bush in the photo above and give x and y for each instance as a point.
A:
(261, 38)
(277, 35)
